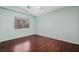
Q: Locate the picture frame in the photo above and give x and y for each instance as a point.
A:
(21, 22)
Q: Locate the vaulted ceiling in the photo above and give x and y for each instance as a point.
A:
(34, 10)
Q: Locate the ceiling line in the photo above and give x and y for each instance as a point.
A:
(16, 11)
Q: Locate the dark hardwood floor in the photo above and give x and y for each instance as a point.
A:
(40, 44)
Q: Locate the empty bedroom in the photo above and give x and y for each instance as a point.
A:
(39, 29)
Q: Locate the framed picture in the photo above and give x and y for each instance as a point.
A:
(21, 22)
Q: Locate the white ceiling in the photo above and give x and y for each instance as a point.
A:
(40, 10)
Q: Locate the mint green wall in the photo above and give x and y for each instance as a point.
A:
(61, 24)
(7, 30)
(78, 20)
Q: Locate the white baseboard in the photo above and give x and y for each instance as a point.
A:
(59, 39)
